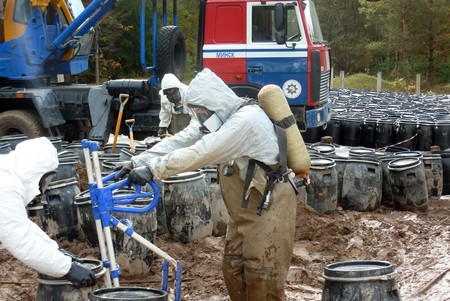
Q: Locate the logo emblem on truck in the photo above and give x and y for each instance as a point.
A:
(292, 88)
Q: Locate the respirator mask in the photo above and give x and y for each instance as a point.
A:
(174, 96)
(209, 120)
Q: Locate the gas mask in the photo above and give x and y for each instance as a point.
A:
(209, 120)
(174, 96)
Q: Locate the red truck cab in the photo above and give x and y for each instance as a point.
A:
(250, 44)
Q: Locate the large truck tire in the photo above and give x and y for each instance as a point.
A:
(21, 122)
(171, 52)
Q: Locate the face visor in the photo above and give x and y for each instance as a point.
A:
(174, 96)
(209, 120)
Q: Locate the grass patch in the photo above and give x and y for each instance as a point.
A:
(362, 81)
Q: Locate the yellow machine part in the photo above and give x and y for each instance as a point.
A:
(15, 19)
(274, 103)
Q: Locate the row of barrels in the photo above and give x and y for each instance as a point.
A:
(362, 179)
(191, 206)
(380, 119)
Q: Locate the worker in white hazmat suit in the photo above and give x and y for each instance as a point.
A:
(258, 248)
(173, 106)
(24, 173)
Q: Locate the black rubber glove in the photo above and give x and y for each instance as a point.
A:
(80, 276)
(140, 176)
(124, 169)
(162, 131)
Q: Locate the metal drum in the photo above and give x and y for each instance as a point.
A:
(367, 280)
(60, 289)
(324, 182)
(362, 184)
(128, 294)
(408, 184)
(434, 175)
(62, 220)
(188, 206)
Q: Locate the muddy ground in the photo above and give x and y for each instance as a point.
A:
(417, 244)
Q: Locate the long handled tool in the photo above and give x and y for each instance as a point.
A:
(104, 201)
(130, 123)
(123, 98)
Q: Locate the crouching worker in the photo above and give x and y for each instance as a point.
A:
(24, 174)
(235, 133)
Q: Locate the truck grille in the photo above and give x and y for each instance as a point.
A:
(324, 85)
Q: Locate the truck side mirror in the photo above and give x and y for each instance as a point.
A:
(280, 23)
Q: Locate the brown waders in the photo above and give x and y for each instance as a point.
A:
(258, 249)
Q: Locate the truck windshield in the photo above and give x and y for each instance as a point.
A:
(312, 21)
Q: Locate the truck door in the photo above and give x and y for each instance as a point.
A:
(270, 63)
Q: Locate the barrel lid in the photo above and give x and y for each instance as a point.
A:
(189, 175)
(361, 151)
(128, 293)
(409, 154)
(94, 265)
(403, 163)
(358, 268)
(322, 163)
(83, 198)
(323, 148)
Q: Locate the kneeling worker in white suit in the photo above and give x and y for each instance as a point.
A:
(22, 172)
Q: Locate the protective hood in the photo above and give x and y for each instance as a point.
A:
(171, 81)
(34, 158)
(209, 91)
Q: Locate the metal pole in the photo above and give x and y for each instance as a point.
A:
(341, 78)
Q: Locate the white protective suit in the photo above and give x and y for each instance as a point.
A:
(20, 172)
(167, 108)
(238, 139)
(258, 249)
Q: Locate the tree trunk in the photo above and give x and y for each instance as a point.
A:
(431, 46)
(406, 54)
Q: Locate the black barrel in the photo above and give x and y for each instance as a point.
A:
(362, 184)
(408, 184)
(334, 129)
(60, 289)
(368, 132)
(86, 218)
(433, 175)
(367, 280)
(445, 159)
(62, 220)
(341, 162)
(387, 198)
(424, 135)
(128, 294)
(351, 133)
(384, 132)
(323, 177)
(134, 258)
(405, 133)
(441, 134)
(188, 206)
(13, 140)
(5, 147)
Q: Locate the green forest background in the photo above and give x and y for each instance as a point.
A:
(400, 38)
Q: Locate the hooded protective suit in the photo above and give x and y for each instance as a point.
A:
(258, 249)
(167, 112)
(20, 172)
